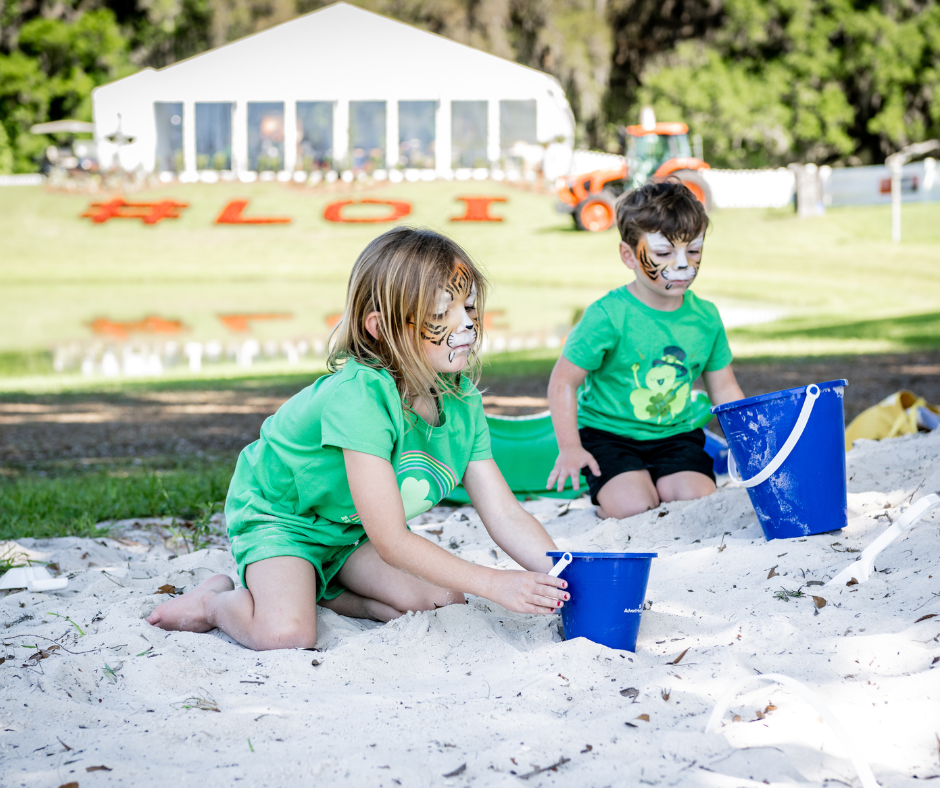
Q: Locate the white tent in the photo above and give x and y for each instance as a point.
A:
(339, 88)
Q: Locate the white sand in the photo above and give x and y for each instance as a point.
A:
(490, 695)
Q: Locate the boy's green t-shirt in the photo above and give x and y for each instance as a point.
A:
(295, 472)
(642, 362)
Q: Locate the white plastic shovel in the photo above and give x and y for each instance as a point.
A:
(861, 569)
(32, 578)
(562, 563)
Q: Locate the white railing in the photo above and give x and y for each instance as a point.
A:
(30, 179)
(750, 188)
(729, 188)
(584, 161)
(872, 185)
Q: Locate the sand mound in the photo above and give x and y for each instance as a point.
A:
(474, 695)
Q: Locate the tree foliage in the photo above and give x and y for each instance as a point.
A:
(805, 80)
(49, 74)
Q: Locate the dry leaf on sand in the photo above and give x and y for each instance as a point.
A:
(168, 589)
(678, 659)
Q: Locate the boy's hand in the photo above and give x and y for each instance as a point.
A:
(569, 464)
(528, 592)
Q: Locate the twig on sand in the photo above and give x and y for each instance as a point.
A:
(43, 637)
(81, 632)
(552, 768)
(205, 704)
(785, 595)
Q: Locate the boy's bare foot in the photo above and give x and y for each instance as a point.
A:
(187, 613)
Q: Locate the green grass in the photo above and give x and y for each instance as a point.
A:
(822, 337)
(840, 285)
(72, 504)
(59, 271)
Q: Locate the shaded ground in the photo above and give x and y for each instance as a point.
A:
(59, 432)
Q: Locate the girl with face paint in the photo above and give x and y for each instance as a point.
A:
(450, 333)
(317, 508)
(620, 395)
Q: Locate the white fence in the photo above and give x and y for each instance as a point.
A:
(585, 161)
(729, 188)
(31, 179)
(750, 188)
(872, 185)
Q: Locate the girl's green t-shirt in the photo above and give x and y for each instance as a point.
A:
(295, 472)
(642, 362)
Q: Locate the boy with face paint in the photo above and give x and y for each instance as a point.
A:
(634, 356)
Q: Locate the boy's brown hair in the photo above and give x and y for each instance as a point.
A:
(666, 207)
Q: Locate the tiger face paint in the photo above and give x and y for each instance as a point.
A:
(664, 269)
(451, 331)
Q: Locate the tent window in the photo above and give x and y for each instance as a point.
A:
(416, 120)
(517, 128)
(469, 126)
(367, 134)
(169, 118)
(314, 135)
(214, 136)
(265, 136)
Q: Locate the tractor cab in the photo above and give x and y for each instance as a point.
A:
(652, 151)
(648, 150)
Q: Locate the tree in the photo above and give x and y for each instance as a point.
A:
(50, 75)
(825, 81)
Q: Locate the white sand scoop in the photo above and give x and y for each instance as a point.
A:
(562, 563)
(861, 569)
(32, 578)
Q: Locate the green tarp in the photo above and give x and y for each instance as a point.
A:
(525, 449)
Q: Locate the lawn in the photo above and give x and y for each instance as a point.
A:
(836, 282)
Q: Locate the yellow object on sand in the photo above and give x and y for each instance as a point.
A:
(894, 415)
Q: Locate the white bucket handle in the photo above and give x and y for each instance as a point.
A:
(812, 392)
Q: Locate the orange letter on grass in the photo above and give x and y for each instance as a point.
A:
(478, 209)
(232, 214)
(397, 210)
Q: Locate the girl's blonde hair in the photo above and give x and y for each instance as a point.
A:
(399, 275)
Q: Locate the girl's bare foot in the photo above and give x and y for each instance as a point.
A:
(187, 613)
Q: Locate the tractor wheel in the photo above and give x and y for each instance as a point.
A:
(697, 185)
(595, 213)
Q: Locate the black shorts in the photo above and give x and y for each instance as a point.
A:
(616, 454)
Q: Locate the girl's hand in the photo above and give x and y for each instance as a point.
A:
(528, 592)
(569, 464)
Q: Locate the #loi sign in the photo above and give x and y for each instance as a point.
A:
(476, 209)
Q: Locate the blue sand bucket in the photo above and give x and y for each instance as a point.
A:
(716, 447)
(607, 593)
(790, 447)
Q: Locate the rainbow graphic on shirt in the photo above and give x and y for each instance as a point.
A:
(443, 476)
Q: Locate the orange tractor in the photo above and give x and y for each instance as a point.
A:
(653, 151)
